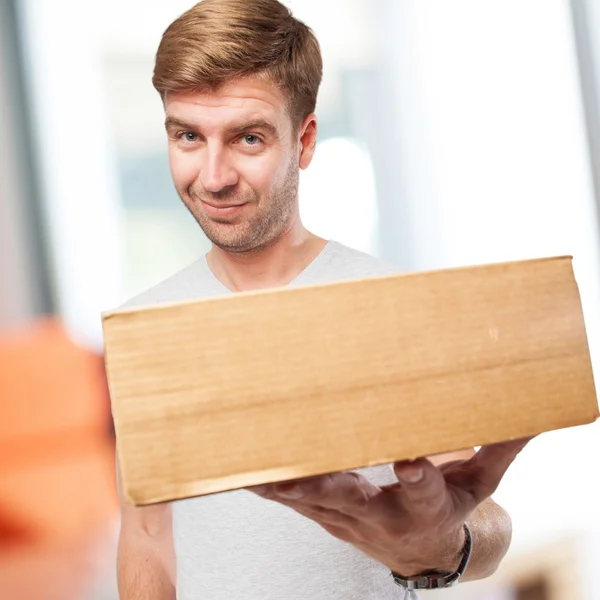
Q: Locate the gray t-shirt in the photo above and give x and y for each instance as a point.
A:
(238, 546)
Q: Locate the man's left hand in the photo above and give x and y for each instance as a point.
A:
(411, 526)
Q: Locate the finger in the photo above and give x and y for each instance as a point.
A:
(451, 457)
(342, 526)
(491, 463)
(348, 493)
(327, 517)
(320, 514)
(422, 487)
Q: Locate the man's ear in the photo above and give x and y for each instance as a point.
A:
(308, 140)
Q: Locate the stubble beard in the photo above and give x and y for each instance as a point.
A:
(267, 223)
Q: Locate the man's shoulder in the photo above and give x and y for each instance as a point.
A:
(343, 262)
(189, 283)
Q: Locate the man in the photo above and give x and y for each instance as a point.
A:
(239, 82)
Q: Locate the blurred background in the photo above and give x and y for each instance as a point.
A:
(471, 130)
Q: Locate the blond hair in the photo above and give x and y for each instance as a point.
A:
(217, 41)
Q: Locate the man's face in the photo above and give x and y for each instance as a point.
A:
(234, 158)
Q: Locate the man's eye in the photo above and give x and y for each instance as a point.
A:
(251, 140)
(188, 136)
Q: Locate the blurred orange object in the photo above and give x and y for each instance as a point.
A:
(57, 465)
(35, 572)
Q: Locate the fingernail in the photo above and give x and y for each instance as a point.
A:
(411, 475)
(293, 492)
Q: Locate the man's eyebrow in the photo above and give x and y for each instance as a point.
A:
(174, 122)
(254, 124)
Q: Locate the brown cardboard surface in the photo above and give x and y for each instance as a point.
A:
(250, 388)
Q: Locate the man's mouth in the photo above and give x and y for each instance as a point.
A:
(222, 210)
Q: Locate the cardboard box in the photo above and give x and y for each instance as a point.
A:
(229, 392)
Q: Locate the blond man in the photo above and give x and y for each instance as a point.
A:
(239, 82)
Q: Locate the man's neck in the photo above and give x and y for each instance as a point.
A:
(275, 265)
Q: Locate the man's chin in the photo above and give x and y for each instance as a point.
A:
(226, 238)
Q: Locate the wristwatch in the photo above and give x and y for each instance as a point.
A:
(431, 580)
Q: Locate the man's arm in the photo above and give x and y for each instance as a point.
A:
(490, 525)
(491, 529)
(146, 555)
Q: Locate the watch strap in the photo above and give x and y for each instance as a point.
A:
(431, 580)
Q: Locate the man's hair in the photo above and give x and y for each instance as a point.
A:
(218, 41)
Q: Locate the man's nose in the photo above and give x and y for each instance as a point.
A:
(217, 172)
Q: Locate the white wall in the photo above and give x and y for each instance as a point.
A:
(491, 127)
(80, 193)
